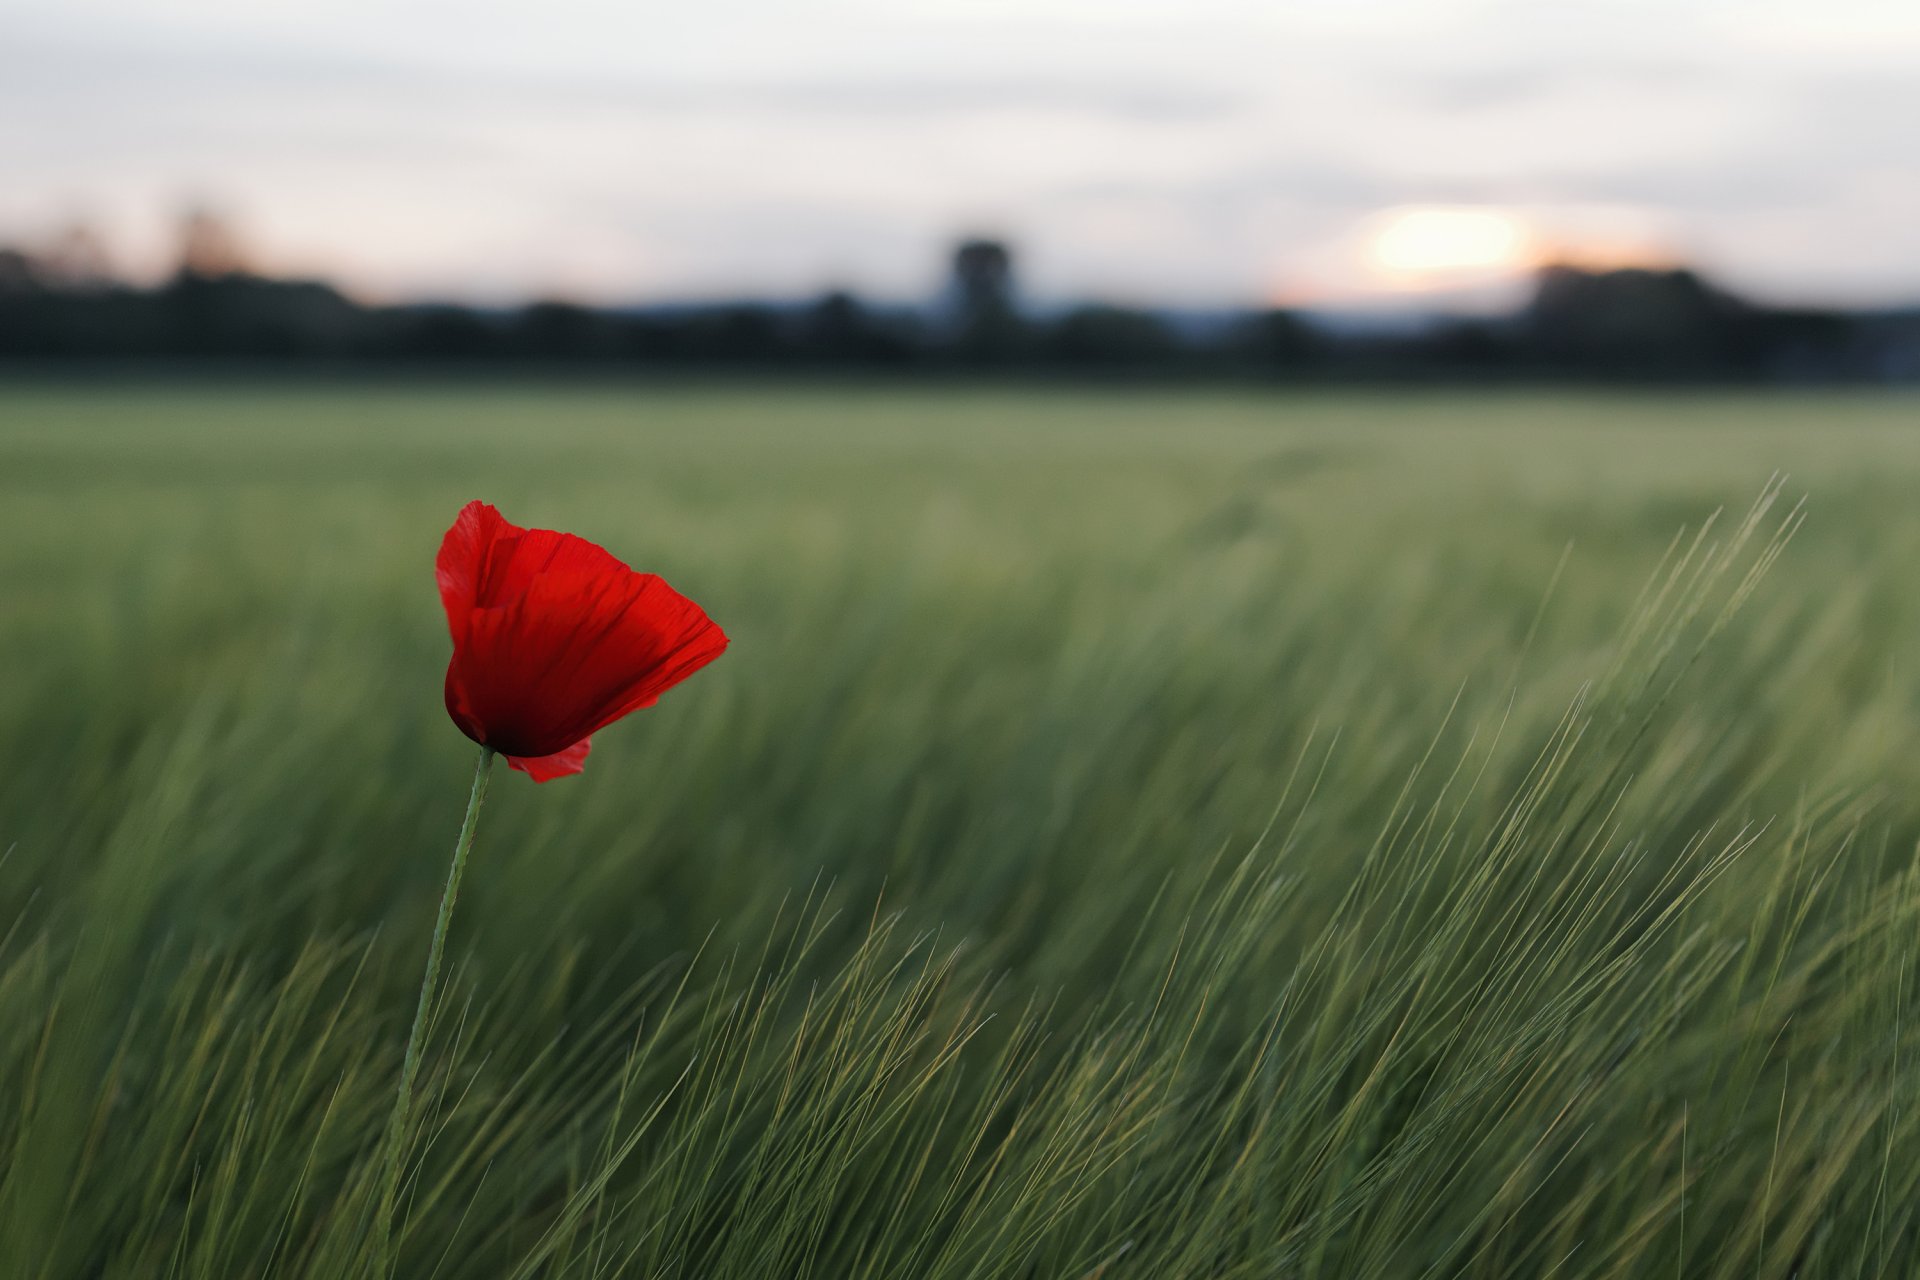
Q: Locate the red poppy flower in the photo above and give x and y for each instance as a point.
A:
(554, 639)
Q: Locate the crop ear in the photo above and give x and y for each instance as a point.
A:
(557, 765)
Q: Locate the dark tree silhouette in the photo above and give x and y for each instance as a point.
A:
(59, 301)
(209, 247)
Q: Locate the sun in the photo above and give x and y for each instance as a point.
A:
(1416, 245)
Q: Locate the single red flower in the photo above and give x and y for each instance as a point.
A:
(554, 639)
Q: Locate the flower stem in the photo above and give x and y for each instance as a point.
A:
(396, 1139)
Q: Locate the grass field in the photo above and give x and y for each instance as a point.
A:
(1141, 834)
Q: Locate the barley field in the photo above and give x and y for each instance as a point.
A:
(1132, 834)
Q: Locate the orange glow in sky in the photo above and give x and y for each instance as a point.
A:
(1437, 244)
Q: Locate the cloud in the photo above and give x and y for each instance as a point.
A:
(36, 66)
(1307, 183)
(1164, 147)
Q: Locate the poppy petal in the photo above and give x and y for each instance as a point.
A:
(459, 707)
(574, 654)
(465, 552)
(657, 639)
(524, 556)
(558, 765)
(554, 638)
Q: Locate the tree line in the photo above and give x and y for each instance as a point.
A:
(1627, 325)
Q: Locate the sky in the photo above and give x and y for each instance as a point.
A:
(1162, 152)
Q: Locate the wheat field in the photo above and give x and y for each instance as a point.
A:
(1146, 833)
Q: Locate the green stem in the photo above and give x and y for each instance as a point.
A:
(396, 1140)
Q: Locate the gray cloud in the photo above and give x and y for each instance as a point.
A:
(1307, 183)
(1516, 84)
(37, 68)
(847, 141)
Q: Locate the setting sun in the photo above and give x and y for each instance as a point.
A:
(1444, 242)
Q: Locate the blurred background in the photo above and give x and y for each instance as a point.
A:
(1358, 189)
(1228, 515)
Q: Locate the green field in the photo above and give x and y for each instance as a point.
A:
(1133, 834)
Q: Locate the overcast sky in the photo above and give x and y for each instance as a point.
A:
(1174, 151)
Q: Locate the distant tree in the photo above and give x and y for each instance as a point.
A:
(563, 331)
(1111, 338)
(436, 333)
(1277, 341)
(209, 247)
(839, 330)
(648, 339)
(239, 315)
(738, 334)
(1810, 345)
(1468, 348)
(19, 272)
(835, 328)
(76, 260)
(1637, 323)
